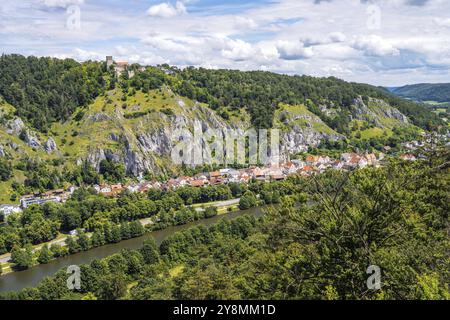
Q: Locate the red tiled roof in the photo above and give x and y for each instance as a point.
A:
(312, 158)
(197, 183)
(214, 174)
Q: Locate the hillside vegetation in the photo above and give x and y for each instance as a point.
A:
(45, 90)
(395, 217)
(59, 119)
(439, 92)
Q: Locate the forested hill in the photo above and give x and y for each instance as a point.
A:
(58, 114)
(261, 92)
(439, 92)
(45, 90)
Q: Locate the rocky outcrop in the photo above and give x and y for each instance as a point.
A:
(30, 139)
(99, 117)
(15, 126)
(146, 145)
(114, 137)
(96, 155)
(18, 128)
(299, 139)
(142, 146)
(362, 112)
(50, 145)
(395, 114)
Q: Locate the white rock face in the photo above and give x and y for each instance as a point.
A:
(147, 146)
(31, 139)
(50, 145)
(299, 139)
(362, 111)
(15, 126)
(145, 149)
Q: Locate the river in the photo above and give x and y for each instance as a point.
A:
(18, 280)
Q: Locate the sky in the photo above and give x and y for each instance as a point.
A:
(381, 42)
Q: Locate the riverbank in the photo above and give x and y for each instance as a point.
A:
(15, 281)
(223, 207)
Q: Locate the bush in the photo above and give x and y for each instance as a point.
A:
(247, 201)
(5, 170)
(210, 212)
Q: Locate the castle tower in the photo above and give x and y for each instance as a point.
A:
(109, 61)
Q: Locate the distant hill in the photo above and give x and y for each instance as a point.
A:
(439, 92)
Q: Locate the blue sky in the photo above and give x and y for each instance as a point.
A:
(382, 42)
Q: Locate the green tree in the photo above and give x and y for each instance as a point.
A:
(83, 241)
(5, 170)
(112, 287)
(72, 245)
(149, 251)
(22, 257)
(210, 212)
(248, 200)
(45, 255)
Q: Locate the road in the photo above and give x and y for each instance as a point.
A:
(219, 204)
(62, 241)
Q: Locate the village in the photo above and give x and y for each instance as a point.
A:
(310, 165)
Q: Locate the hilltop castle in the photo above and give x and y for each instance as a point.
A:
(119, 66)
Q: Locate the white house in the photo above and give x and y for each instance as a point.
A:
(25, 202)
(105, 189)
(8, 209)
(133, 188)
(72, 189)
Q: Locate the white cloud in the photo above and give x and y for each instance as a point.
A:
(337, 37)
(61, 3)
(293, 50)
(238, 50)
(334, 37)
(336, 70)
(162, 43)
(167, 10)
(442, 22)
(287, 36)
(374, 45)
(83, 55)
(244, 23)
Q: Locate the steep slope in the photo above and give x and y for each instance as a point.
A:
(301, 128)
(132, 121)
(136, 130)
(13, 148)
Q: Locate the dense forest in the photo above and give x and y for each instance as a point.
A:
(261, 92)
(318, 244)
(44, 90)
(439, 92)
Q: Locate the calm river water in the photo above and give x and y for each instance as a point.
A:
(28, 278)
